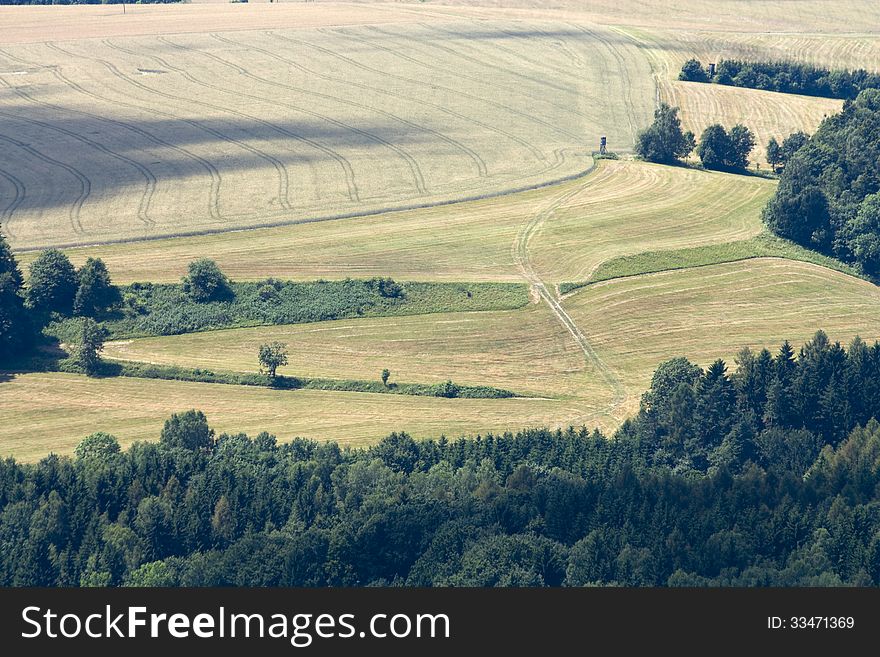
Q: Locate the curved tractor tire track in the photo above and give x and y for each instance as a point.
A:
(522, 258)
(536, 152)
(149, 178)
(85, 185)
(341, 160)
(406, 157)
(478, 161)
(414, 44)
(530, 118)
(283, 182)
(214, 174)
(20, 192)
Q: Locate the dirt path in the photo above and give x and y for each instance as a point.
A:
(523, 260)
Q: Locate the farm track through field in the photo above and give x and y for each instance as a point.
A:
(85, 185)
(214, 193)
(536, 152)
(478, 161)
(412, 44)
(409, 160)
(523, 260)
(149, 177)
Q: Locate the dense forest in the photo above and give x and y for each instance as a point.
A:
(767, 476)
(787, 77)
(828, 197)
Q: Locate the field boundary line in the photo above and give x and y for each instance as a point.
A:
(522, 258)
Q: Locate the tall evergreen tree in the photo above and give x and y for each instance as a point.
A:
(16, 331)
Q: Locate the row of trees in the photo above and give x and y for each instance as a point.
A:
(763, 477)
(828, 197)
(787, 77)
(664, 141)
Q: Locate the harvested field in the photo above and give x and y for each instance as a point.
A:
(710, 312)
(45, 413)
(124, 138)
(623, 208)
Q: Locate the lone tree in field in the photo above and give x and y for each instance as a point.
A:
(774, 154)
(272, 356)
(663, 141)
(52, 284)
(95, 294)
(386, 373)
(88, 345)
(205, 281)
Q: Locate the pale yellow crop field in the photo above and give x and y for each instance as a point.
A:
(712, 312)
(44, 413)
(622, 208)
(132, 137)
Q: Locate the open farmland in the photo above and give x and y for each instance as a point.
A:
(622, 208)
(174, 134)
(448, 142)
(53, 412)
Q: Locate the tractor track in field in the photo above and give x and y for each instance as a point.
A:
(20, 192)
(149, 177)
(522, 258)
(530, 118)
(408, 159)
(534, 150)
(479, 163)
(216, 179)
(413, 45)
(279, 167)
(85, 185)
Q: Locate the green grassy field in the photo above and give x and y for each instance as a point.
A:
(709, 312)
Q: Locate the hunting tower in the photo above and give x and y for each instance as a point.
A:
(603, 142)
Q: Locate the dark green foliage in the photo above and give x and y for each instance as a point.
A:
(720, 149)
(826, 198)
(99, 446)
(664, 140)
(189, 431)
(692, 71)
(387, 288)
(786, 77)
(205, 282)
(753, 496)
(52, 283)
(272, 356)
(149, 309)
(95, 294)
(87, 345)
(386, 374)
(16, 330)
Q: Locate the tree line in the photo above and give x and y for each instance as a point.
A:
(767, 476)
(828, 197)
(786, 77)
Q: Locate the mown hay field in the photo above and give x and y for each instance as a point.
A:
(43, 413)
(622, 208)
(123, 138)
